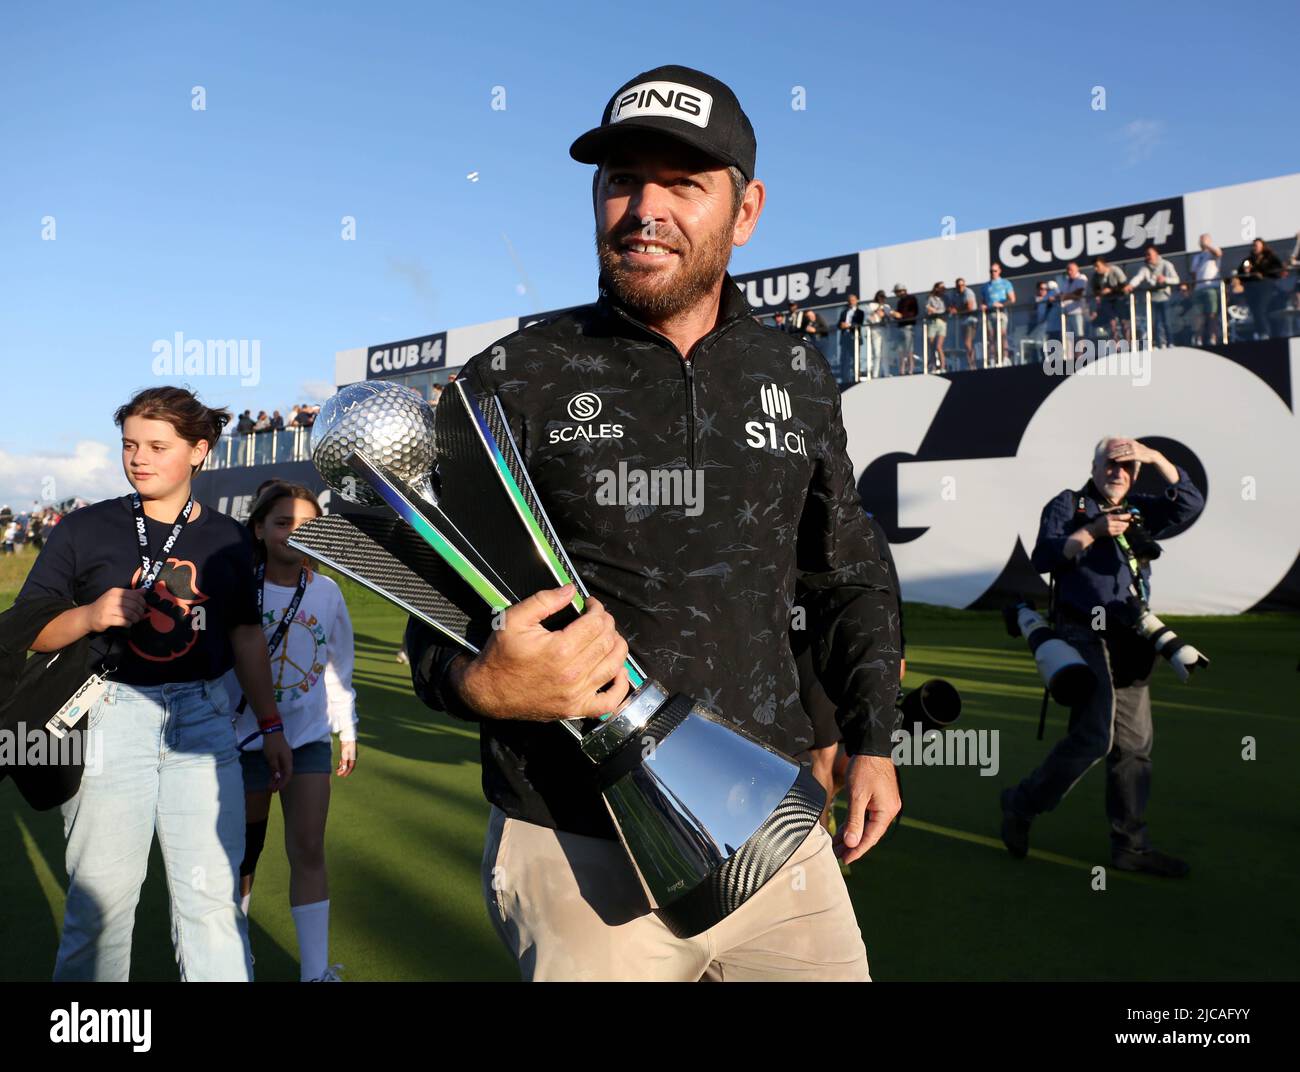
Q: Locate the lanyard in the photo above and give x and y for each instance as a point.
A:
(1139, 585)
(280, 629)
(150, 568)
(289, 611)
(1140, 588)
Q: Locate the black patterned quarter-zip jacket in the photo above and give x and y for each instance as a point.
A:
(604, 409)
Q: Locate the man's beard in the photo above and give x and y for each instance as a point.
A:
(695, 278)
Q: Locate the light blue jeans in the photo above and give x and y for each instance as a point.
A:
(159, 758)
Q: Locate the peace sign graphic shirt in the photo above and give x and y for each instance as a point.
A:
(311, 667)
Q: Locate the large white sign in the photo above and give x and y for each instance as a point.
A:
(974, 509)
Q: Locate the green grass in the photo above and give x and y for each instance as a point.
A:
(938, 899)
(13, 569)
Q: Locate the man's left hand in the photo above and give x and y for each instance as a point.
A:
(1125, 450)
(874, 803)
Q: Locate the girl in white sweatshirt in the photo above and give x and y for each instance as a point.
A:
(311, 668)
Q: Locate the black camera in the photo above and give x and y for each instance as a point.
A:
(1140, 541)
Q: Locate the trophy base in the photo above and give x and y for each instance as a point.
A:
(706, 813)
(750, 867)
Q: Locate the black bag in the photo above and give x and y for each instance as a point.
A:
(33, 688)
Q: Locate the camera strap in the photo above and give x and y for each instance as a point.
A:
(1140, 588)
(1051, 618)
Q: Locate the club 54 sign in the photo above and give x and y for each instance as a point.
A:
(1116, 234)
(411, 355)
(959, 468)
(812, 283)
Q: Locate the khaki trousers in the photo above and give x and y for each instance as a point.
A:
(571, 908)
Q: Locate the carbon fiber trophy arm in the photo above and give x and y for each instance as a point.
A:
(386, 556)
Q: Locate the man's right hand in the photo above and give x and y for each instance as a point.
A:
(526, 671)
(1110, 525)
(117, 606)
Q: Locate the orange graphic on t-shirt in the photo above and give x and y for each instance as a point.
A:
(166, 631)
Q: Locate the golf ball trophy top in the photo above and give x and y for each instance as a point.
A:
(706, 813)
(392, 422)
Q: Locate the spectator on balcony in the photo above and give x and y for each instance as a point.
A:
(965, 308)
(1259, 272)
(999, 296)
(1180, 316)
(906, 310)
(245, 425)
(1158, 277)
(778, 321)
(1205, 298)
(305, 416)
(852, 317)
(1045, 299)
(817, 331)
(1238, 310)
(277, 422)
(1293, 302)
(794, 319)
(936, 323)
(878, 316)
(1074, 301)
(1292, 310)
(1108, 288)
(814, 328)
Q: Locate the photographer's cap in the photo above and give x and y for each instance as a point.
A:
(682, 103)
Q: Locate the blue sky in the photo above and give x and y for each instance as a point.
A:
(226, 222)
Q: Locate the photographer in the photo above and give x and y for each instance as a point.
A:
(1098, 544)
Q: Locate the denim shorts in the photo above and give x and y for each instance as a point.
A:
(316, 757)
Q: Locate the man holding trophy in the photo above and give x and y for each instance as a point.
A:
(693, 466)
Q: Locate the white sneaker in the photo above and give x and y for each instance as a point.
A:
(402, 658)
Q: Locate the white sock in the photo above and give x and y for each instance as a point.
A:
(312, 922)
(243, 902)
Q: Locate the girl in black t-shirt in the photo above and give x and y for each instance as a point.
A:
(174, 578)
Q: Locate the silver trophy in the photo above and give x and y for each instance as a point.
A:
(394, 425)
(706, 813)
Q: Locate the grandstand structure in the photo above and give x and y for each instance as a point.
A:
(1233, 215)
